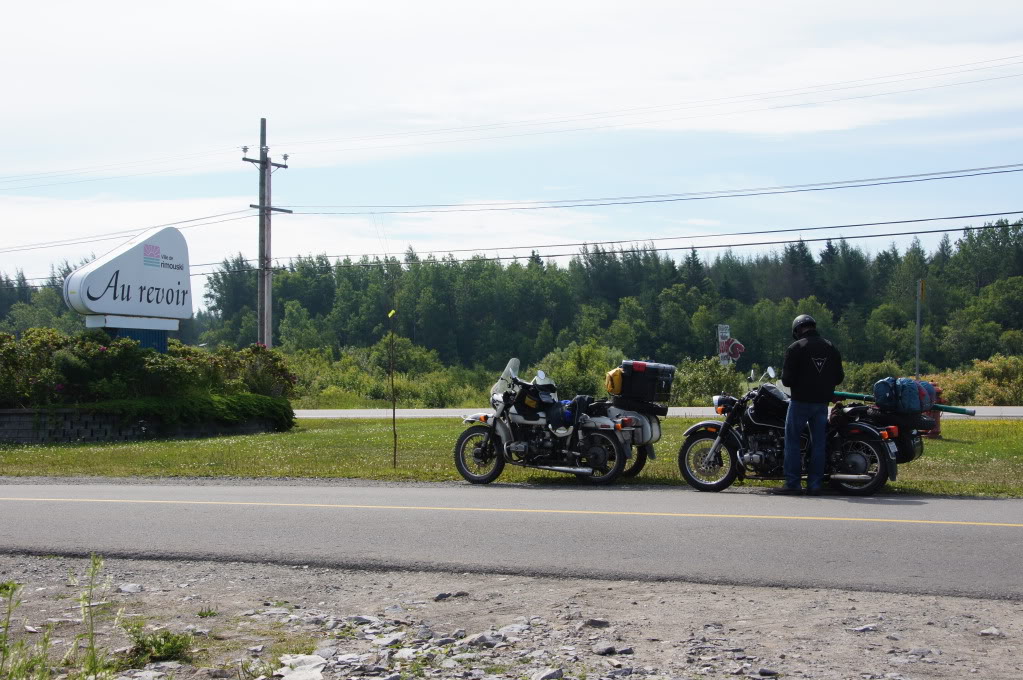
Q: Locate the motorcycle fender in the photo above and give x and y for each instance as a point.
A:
(473, 418)
(713, 427)
(865, 431)
(605, 425)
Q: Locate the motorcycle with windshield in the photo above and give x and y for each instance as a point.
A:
(530, 427)
(861, 454)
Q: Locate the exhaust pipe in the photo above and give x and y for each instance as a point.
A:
(851, 478)
(573, 470)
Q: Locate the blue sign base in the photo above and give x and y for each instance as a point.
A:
(147, 338)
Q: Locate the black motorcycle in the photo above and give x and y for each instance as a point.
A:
(860, 454)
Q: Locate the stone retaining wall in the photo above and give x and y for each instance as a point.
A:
(53, 426)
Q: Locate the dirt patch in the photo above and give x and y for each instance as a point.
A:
(448, 625)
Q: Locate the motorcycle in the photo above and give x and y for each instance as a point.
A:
(530, 427)
(861, 454)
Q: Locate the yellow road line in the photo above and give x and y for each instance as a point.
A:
(540, 511)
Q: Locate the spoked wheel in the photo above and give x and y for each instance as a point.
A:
(605, 455)
(703, 474)
(476, 463)
(861, 457)
(635, 465)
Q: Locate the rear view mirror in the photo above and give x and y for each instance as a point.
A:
(770, 372)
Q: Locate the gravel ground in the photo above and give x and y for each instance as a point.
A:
(305, 623)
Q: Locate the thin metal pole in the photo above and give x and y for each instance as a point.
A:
(919, 294)
(264, 222)
(268, 272)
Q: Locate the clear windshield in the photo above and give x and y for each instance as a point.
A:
(504, 383)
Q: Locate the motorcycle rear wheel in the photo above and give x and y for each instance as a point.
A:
(718, 475)
(874, 460)
(476, 465)
(635, 465)
(613, 455)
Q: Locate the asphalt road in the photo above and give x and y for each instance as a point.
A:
(894, 543)
(991, 412)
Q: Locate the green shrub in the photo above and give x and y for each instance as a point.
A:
(47, 368)
(579, 369)
(697, 380)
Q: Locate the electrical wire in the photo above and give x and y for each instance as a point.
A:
(759, 96)
(757, 232)
(649, 200)
(350, 265)
(126, 234)
(661, 120)
(719, 193)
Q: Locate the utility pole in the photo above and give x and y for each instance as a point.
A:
(919, 299)
(264, 286)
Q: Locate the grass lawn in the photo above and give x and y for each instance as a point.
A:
(975, 458)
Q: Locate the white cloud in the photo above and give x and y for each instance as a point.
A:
(100, 83)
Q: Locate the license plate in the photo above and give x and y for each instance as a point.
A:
(893, 447)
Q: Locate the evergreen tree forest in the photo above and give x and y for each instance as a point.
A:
(479, 312)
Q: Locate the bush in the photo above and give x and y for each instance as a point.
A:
(580, 369)
(697, 380)
(47, 368)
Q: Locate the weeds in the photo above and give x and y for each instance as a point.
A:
(207, 613)
(161, 645)
(19, 661)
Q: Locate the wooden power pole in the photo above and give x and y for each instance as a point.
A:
(264, 287)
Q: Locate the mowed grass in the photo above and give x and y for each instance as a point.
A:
(977, 458)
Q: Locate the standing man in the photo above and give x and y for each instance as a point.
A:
(812, 369)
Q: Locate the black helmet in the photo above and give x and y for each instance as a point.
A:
(801, 323)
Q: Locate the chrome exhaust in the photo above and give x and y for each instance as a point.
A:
(851, 478)
(573, 470)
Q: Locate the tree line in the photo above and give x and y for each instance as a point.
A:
(478, 311)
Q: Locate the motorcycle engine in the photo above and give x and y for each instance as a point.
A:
(534, 446)
(765, 453)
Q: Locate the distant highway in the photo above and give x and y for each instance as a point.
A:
(986, 412)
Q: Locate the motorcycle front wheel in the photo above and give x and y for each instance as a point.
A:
(605, 455)
(635, 465)
(701, 474)
(476, 463)
(862, 457)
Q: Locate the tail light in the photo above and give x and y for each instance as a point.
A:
(627, 421)
(893, 431)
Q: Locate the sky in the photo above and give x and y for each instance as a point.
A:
(118, 116)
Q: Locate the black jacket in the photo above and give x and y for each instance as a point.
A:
(812, 369)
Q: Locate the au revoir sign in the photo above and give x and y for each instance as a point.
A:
(146, 277)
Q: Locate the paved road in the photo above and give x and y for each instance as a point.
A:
(992, 412)
(895, 544)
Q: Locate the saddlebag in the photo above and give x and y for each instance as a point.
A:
(645, 407)
(647, 381)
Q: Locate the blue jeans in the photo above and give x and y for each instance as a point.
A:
(800, 413)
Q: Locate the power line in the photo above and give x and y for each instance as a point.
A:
(125, 234)
(655, 239)
(5, 179)
(109, 177)
(649, 200)
(566, 203)
(499, 258)
(759, 96)
(665, 120)
(719, 193)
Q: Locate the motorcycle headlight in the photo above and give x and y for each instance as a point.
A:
(716, 401)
